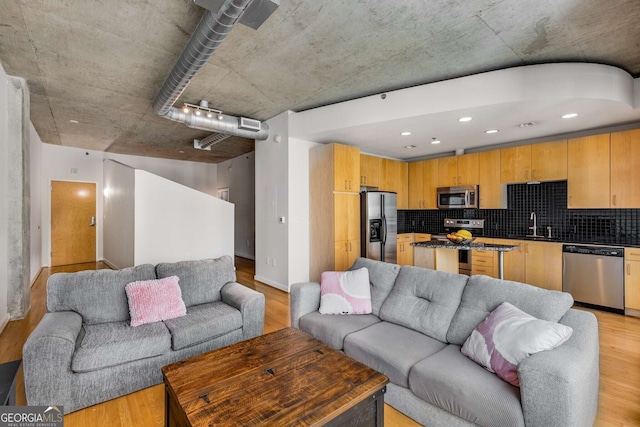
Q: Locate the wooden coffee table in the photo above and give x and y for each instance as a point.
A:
(278, 379)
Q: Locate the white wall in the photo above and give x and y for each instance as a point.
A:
(238, 175)
(35, 171)
(118, 218)
(272, 203)
(61, 163)
(175, 223)
(4, 285)
(299, 209)
(198, 175)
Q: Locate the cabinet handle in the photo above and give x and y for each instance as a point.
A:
(345, 184)
(365, 179)
(454, 180)
(527, 174)
(459, 180)
(634, 254)
(349, 246)
(628, 269)
(615, 200)
(534, 174)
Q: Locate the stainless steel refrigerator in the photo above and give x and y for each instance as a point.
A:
(379, 222)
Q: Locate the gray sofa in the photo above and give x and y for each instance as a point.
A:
(421, 318)
(84, 350)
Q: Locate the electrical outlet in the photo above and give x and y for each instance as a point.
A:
(268, 260)
(248, 243)
(273, 262)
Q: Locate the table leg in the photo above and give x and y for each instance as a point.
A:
(501, 265)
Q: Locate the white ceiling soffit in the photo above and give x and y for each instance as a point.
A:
(601, 95)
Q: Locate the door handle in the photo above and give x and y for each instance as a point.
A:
(615, 200)
(93, 221)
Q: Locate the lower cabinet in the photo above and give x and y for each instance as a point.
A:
(484, 262)
(632, 278)
(536, 263)
(405, 250)
(346, 252)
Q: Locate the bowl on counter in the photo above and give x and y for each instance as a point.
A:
(461, 242)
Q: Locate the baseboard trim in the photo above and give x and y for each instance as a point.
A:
(272, 283)
(35, 279)
(4, 323)
(110, 265)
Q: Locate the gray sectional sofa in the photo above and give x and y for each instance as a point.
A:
(421, 318)
(84, 350)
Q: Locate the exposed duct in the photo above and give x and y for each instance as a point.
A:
(209, 34)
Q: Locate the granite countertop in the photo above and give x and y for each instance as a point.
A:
(439, 244)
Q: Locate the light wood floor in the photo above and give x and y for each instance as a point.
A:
(619, 362)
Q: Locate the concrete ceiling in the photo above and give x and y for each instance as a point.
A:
(101, 63)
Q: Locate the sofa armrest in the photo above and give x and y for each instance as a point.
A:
(46, 359)
(251, 305)
(304, 299)
(559, 387)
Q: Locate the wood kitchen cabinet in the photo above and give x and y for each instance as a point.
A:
(625, 169)
(346, 167)
(632, 280)
(458, 170)
(404, 248)
(484, 262)
(394, 177)
(536, 263)
(546, 161)
(369, 170)
(490, 187)
(423, 182)
(334, 214)
(589, 172)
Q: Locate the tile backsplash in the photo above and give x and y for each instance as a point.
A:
(549, 201)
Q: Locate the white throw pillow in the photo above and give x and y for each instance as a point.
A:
(347, 292)
(509, 335)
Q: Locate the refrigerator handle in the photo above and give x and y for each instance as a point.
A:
(384, 221)
(467, 198)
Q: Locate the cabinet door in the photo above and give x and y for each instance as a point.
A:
(515, 164)
(416, 184)
(484, 262)
(346, 216)
(543, 265)
(468, 169)
(447, 171)
(394, 177)
(346, 168)
(353, 251)
(402, 186)
(588, 172)
(489, 180)
(430, 184)
(625, 169)
(513, 260)
(632, 285)
(405, 250)
(341, 255)
(369, 170)
(549, 161)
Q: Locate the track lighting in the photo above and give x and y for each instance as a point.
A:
(203, 107)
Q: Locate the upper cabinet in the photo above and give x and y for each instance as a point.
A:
(369, 170)
(490, 187)
(346, 171)
(394, 177)
(588, 172)
(538, 162)
(458, 170)
(423, 181)
(625, 169)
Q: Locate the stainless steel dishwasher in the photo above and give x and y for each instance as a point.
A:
(594, 276)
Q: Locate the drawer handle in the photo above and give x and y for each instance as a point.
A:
(629, 269)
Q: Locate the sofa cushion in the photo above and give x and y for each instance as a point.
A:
(463, 388)
(508, 336)
(390, 349)
(97, 295)
(333, 328)
(483, 294)
(110, 344)
(382, 276)
(424, 300)
(345, 292)
(154, 300)
(202, 323)
(200, 280)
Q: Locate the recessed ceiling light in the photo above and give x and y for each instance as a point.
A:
(527, 124)
(570, 116)
(409, 147)
(75, 122)
(491, 131)
(435, 141)
(464, 119)
(405, 133)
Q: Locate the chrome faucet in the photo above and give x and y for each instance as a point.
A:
(535, 226)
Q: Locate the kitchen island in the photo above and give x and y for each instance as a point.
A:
(440, 255)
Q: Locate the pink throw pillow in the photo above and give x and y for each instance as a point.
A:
(508, 336)
(346, 292)
(154, 300)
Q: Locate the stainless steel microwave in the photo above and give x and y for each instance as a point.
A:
(464, 196)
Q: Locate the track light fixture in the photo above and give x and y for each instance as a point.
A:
(203, 107)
